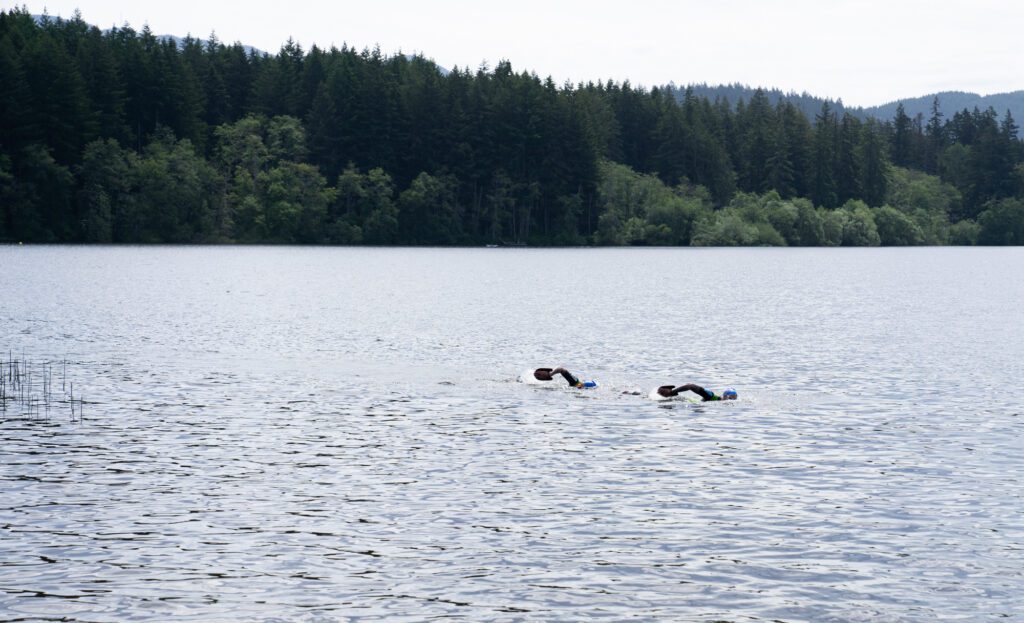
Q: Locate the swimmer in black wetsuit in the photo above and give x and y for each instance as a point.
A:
(669, 391)
(548, 374)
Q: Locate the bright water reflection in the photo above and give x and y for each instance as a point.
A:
(336, 434)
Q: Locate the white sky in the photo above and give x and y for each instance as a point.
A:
(863, 51)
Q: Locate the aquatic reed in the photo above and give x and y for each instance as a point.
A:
(27, 389)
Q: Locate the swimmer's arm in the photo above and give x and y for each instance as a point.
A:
(691, 387)
(569, 378)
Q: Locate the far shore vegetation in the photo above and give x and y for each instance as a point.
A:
(120, 136)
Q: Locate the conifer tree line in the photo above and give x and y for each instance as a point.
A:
(120, 136)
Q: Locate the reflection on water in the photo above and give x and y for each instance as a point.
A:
(334, 434)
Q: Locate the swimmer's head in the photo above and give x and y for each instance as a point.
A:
(542, 374)
(729, 394)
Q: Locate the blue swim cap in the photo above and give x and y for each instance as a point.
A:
(730, 394)
(590, 385)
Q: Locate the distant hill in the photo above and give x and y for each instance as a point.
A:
(954, 101)
(178, 41)
(733, 93)
(950, 102)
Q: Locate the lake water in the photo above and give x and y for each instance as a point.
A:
(322, 434)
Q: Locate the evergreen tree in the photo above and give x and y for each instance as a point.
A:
(59, 114)
(873, 164)
(323, 133)
(788, 163)
(16, 118)
(278, 83)
(902, 138)
(824, 190)
(936, 138)
(758, 129)
(848, 160)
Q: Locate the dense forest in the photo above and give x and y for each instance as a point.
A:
(120, 136)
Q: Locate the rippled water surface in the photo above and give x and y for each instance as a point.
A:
(320, 434)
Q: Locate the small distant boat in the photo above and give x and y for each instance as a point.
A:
(492, 246)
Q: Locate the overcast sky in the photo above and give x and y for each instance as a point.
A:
(863, 51)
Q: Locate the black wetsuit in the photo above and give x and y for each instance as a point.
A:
(569, 378)
(704, 394)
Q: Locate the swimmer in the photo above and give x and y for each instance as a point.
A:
(548, 374)
(669, 391)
